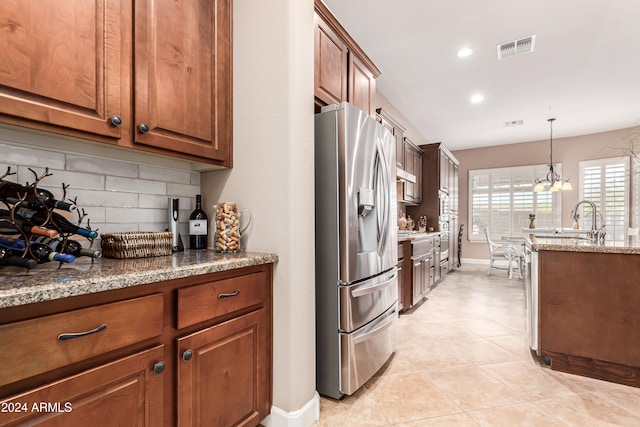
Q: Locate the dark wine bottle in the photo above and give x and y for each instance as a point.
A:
(198, 226)
(57, 222)
(7, 259)
(42, 253)
(6, 227)
(71, 247)
(37, 198)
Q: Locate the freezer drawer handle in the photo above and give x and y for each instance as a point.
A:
(386, 323)
(373, 288)
(63, 337)
(232, 294)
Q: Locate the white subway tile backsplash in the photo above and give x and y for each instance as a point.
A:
(82, 180)
(140, 215)
(156, 173)
(182, 190)
(32, 157)
(152, 201)
(110, 199)
(118, 196)
(128, 185)
(82, 163)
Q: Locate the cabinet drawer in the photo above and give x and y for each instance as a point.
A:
(125, 392)
(422, 246)
(203, 302)
(39, 345)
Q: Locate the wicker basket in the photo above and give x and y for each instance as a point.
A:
(136, 244)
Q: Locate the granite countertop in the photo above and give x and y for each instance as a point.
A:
(19, 286)
(404, 236)
(565, 244)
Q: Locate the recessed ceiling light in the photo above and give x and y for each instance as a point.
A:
(464, 52)
(477, 98)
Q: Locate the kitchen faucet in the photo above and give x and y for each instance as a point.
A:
(596, 234)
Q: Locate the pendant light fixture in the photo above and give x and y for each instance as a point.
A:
(553, 181)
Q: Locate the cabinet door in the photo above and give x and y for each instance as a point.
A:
(362, 85)
(418, 277)
(224, 372)
(65, 64)
(417, 188)
(400, 286)
(330, 64)
(444, 171)
(127, 392)
(183, 77)
(409, 166)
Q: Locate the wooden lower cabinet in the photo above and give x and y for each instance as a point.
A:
(194, 352)
(126, 392)
(218, 365)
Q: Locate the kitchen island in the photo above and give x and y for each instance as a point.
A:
(587, 307)
(140, 342)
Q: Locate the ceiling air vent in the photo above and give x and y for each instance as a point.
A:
(512, 123)
(516, 47)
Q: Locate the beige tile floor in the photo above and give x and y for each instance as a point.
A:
(462, 360)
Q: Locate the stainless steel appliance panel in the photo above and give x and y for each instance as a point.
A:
(363, 302)
(356, 245)
(366, 350)
(367, 195)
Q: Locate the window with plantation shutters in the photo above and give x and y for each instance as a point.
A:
(503, 198)
(605, 182)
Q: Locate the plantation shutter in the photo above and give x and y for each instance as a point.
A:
(503, 198)
(605, 182)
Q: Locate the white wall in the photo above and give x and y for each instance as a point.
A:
(273, 177)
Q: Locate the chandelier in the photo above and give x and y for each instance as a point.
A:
(553, 181)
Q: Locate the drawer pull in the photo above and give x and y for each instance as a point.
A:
(187, 355)
(158, 368)
(63, 337)
(233, 294)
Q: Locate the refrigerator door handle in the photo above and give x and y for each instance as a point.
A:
(380, 327)
(384, 194)
(360, 292)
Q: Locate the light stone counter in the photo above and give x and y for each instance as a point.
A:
(565, 244)
(404, 236)
(19, 286)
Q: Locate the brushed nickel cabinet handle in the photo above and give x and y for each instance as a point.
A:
(143, 128)
(70, 336)
(233, 294)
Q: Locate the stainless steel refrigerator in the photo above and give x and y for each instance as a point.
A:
(356, 248)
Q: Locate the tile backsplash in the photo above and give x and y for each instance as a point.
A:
(117, 195)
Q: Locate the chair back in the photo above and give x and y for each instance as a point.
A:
(491, 243)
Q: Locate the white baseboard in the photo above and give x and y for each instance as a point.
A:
(303, 417)
(480, 261)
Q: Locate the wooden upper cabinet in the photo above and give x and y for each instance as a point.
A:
(362, 86)
(342, 71)
(183, 79)
(330, 79)
(75, 68)
(65, 64)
